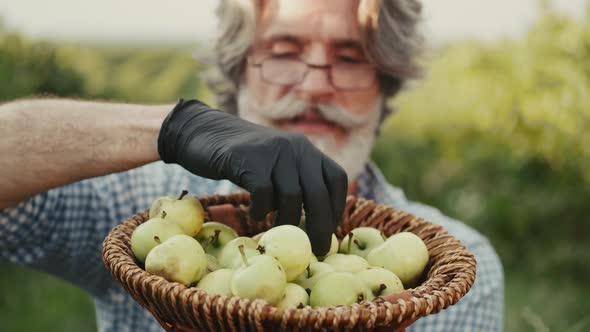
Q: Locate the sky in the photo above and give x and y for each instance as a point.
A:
(188, 20)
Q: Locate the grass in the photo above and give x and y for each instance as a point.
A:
(32, 301)
(542, 303)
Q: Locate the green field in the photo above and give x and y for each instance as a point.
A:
(497, 135)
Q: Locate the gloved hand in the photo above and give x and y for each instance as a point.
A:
(281, 170)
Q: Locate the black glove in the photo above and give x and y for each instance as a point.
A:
(280, 170)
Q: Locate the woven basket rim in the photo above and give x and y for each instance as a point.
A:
(432, 296)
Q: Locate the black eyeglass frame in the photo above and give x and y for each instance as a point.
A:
(328, 67)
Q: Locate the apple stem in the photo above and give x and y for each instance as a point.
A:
(164, 214)
(244, 258)
(358, 244)
(383, 236)
(261, 249)
(360, 298)
(350, 235)
(215, 236)
(157, 239)
(184, 193)
(207, 242)
(308, 271)
(382, 287)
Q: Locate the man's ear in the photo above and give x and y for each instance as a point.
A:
(390, 87)
(385, 112)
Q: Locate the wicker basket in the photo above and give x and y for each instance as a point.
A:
(449, 275)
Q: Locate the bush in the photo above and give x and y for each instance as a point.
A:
(498, 135)
(140, 74)
(33, 68)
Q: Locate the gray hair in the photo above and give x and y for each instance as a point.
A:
(389, 35)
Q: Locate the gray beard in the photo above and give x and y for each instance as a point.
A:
(352, 155)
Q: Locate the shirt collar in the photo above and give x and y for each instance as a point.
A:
(373, 186)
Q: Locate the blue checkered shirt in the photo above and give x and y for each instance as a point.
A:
(61, 232)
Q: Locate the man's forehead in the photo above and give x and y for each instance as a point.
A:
(330, 20)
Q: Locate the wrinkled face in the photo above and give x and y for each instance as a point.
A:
(307, 73)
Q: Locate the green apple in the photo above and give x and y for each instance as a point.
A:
(185, 210)
(360, 241)
(259, 277)
(290, 246)
(338, 288)
(346, 263)
(333, 247)
(295, 296)
(214, 236)
(146, 236)
(333, 244)
(302, 223)
(212, 263)
(404, 254)
(380, 281)
(237, 260)
(180, 258)
(312, 274)
(217, 282)
(257, 236)
(231, 253)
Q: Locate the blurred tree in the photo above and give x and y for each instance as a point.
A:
(135, 74)
(498, 135)
(33, 68)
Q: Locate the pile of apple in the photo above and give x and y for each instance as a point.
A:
(278, 265)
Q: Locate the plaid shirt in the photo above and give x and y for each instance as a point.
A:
(61, 232)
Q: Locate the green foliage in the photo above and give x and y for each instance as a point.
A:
(33, 68)
(138, 74)
(131, 74)
(32, 301)
(531, 95)
(498, 136)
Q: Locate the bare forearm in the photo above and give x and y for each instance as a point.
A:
(52, 142)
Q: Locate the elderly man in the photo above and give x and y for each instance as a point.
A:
(308, 81)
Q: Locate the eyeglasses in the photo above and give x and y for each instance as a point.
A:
(292, 70)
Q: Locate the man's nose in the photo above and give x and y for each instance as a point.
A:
(316, 86)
